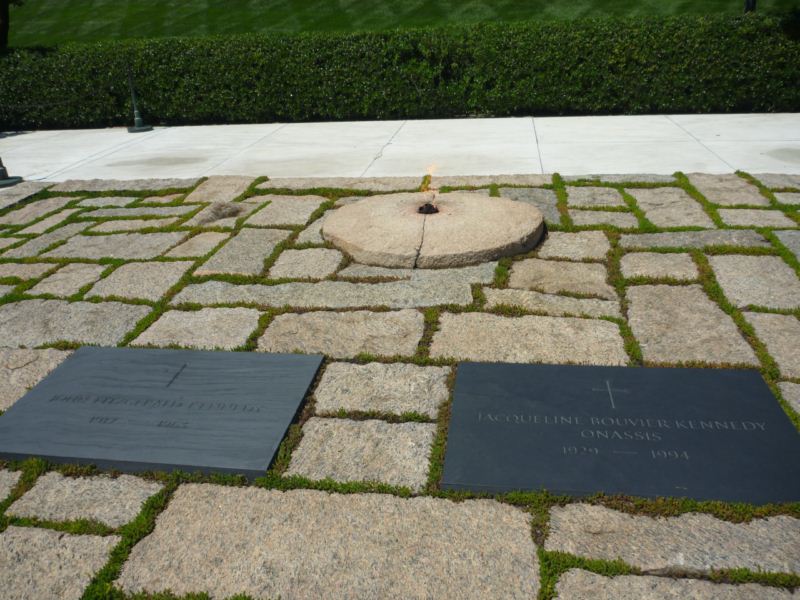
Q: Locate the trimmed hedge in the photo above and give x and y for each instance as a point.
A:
(593, 66)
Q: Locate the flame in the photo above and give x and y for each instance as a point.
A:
(430, 171)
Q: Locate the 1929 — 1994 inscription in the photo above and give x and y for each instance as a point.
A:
(698, 433)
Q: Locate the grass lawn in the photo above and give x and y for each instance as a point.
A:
(48, 22)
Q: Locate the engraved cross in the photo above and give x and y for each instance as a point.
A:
(610, 391)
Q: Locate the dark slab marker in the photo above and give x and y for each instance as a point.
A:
(161, 410)
(707, 434)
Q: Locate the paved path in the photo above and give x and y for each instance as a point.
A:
(567, 145)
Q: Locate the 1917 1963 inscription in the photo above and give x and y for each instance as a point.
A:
(704, 434)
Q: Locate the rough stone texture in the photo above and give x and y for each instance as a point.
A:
(286, 210)
(33, 323)
(591, 245)
(577, 584)
(208, 328)
(221, 214)
(623, 220)
(140, 211)
(68, 280)
(50, 565)
(626, 178)
(671, 207)
(6, 289)
(344, 450)
(220, 188)
(543, 199)
(37, 245)
(779, 180)
(113, 502)
(482, 273)
(313, 233)
(132, 225)
(757, 280)
(491, 338)
(199, 245)
(369, 184)
(133, 185)
(688, 543)
(345, 335)
(727, 190)
(47, 223)
(11, 195)
(245, 253)
(344, 201)
(781, 335)
(104, 201)
(550, 304)
(25, 270)
(6, 242)
(131, 246)
(148, 280)
(34, 210)
(791, 393)
(594, 196)
(311, 544)
(168, 199)
(746, 238)
(555, 277)
(313, 263)
(681, 324)
(754, 217)
(486, 180)
(8, 479)
(20, 370)
(790, 239)
(788, 197)
(655, 265)
(387, 388)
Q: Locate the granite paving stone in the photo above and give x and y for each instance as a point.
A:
(140, 211)
(754, 217)
(788, 197)
(591, 245)
(312, 263)
(790, 239)
(791, 393)
(343, 450)
(11, 195)
(779, 180)
(555, 277)
(313, 233)
(245, 253)
(781, 335)
(623, 178)
(727, 190)
(111, 501)
(133, 185)
(312, 544)
(623, 220)
(130, 246)
(757, 280)
(50, 565)
(168, 199)
(44, 241)
(108, 201)
(551, 304)
(48, 222)
(34, 210)
(492, 338)
(543, 199)
(132, 225)
(594, 196)
(671, 207)
(577, 584)
(6, 289)
(346, 334)
(221, 214)
(694, 543)
(20, 370)
(368, 184)
(655, 265)
(199, 245)
(439, 181)
(5, 242)
(207, 329)
(386, 388)
(145, 280)
(8, 479)
(746, 238)
(286, 210)
(681, 324)
(481, 273)
(32, 323)
(25, 270)
(68, 280)
(220, 188)
(345, 200)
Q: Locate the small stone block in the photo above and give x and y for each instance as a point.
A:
(131, 246)
(757, 280)
(746, 238)
(199, 245)
(132, 225)
(594, 196)
(543, 199)
(34, 210)
(554, 277)
(313, 263)
(243, 254)
(791, 393)
(286, 210)
(208, 328)
(656, 266)
(754, 217)
(49, 222)
(623, 220)
(25, 270)
(592, 245)
(551, 304)
(20, 370)
(220, 188)
(68, 280)
(727, 190)
(792, 198)
(133, 185)
(779, 180)
(108, 201)
(8, 479)
(221, 214)
(671, 207)
(168, 199)
(781, 335)
(44, 241)
(145, 280)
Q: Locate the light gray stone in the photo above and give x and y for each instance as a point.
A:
(781, 335)
(346, 334)
(550, 304)
(746, 238)
(34, 210)
(5, 242)
(208, 329)
(146, 280)
(312, 544)
(655, 265)
(591, 245)
(25, 270)
(577, 584)
(482, 273)
(44, 241)
(779, 180)
(68, 280)
(286, 210)
(788, 197)
(220, 188)
(594, 196)
(694, 543)
(554, 277)
(679, 324)
(343, 450)
(140, 211)
(312, 263)
(108, 201)
(625, 178)
(132, 185)
(754, 217)
(244, 254)
(221, 214)
(168, 199)
(50, 565)
(727, 190)
(671, 207)
(6, 289)
(113, 502)
(132, 246)
(132, 225)
(491, 338)
(34, 323)
(313, 233)
(344, 201)
(11, 195)
(368, 184)
(623, 220)
(48, 222)
(543, 199)
(386, 388)
(438, 181)
(8, 480)
(790, 239)
(20, 370)
(791, 393)
(199, 245)
(757, 280)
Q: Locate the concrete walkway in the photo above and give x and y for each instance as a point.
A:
(755, 143)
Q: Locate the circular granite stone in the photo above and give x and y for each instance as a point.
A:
(469, 228)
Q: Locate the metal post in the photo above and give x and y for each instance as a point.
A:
(138, 122)
(749, 5)
(5, 179)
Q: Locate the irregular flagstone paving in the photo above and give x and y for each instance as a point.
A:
(117, 245)
(49, 222)
(245, 253)
(34, 210)
(148, 281)
(37, 245)
(199, 245)
(727, 190)
(12, 195)
(69, 279)
(671, 207)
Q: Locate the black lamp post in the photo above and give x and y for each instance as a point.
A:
(138, 122)
(5, 179)
(749, 5)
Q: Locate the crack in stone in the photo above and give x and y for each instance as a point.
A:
(422, 237)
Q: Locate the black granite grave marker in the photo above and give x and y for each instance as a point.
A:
(140, 410)
(707, 434)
